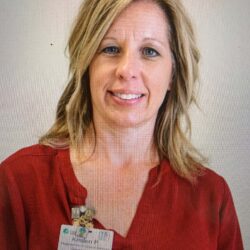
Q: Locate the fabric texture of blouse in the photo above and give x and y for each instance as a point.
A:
(38, 188)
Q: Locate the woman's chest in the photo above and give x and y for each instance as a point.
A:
(114, 197)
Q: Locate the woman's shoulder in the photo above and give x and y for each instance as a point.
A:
(208, 182)
(212, 186)
(206, 177)
(30, 151)
(35, 156)
(32, 166)
(218, 187)
(210, 177)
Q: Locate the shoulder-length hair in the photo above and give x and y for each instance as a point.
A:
(74, 110)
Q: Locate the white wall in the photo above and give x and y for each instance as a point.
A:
(223, 130)
(33, 73)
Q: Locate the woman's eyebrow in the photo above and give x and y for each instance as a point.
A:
(110, 38)
(155, 40)
(146, 39)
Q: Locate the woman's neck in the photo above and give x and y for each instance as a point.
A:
(121, 147)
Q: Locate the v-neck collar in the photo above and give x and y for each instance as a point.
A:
(77, 193)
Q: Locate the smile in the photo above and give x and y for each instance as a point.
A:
(127, 96)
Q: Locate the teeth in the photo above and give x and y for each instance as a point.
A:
(127, 96)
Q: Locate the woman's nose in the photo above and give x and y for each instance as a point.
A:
(128, 66)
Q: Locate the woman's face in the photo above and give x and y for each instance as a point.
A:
(131, 71)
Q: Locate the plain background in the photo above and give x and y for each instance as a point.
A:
(33, 74)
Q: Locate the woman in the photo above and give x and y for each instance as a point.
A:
(117, 145)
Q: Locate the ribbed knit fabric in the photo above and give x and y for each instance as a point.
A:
(38, 188)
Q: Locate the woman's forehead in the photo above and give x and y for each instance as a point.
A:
(142, 20)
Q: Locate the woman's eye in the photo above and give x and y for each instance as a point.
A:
(149, 52)
(111, 50)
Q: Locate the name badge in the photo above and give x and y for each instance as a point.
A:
(79, 238)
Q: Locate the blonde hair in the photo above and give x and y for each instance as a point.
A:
(74, 110)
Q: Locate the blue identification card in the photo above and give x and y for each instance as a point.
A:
(79, 238)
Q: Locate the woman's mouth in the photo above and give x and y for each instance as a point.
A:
(127, 96)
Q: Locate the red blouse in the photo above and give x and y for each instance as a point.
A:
(38, 188)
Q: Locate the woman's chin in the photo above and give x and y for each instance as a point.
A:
(131, 122)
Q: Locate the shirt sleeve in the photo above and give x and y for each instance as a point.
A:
(12, 219)
(230, 235)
